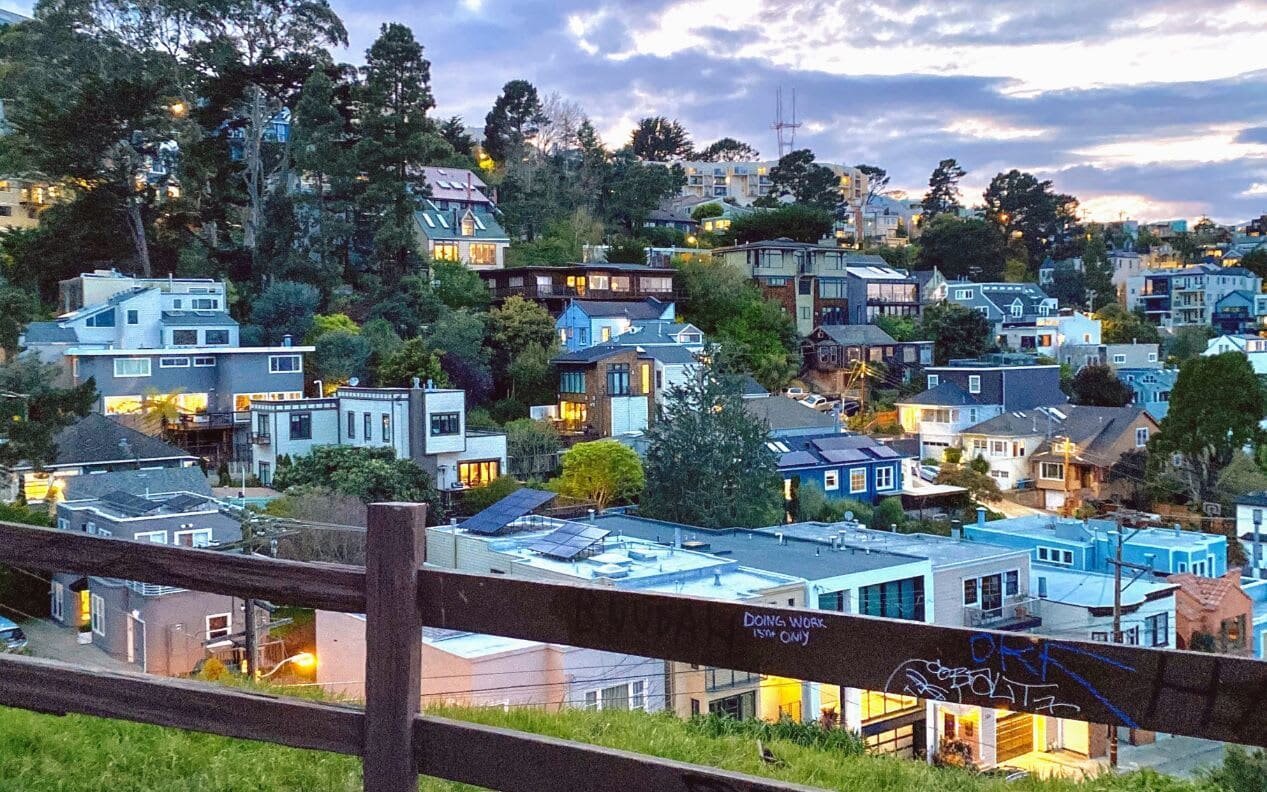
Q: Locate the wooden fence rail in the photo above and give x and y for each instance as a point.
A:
(1202, 695)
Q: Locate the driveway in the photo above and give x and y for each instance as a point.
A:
(47, 639)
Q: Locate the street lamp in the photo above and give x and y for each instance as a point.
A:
(304, 661)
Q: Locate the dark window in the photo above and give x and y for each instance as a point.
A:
(898, 599)
(368, 425)
(351, 426)
(445, 424)
(261, 424)
(970, 591)
(1013, 583)
(217, 337)
(301, 426)
(1157, 629)
(832, 601)
(6, 211)
(387, 427)
(806, 286)
(740, 707)
(103, 319)
(694, 707)
(134, 316)
(618, 379)
(185, 337)
(572, 382)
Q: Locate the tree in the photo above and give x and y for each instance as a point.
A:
(453, 131)
(657, 139)
(459, 286)
(1068, 286)
(877, 180)
(981, 486)
(563, 119)
(1243, 770)
(1098, 271)
(1098, 386)
(956, 332)
(517, 325)
(1188, 342)
(513, 123)
(532, 447)
(373, 474)
(320, 150)
(798, 177)
(458, 336)
(943, 190)
(760, 339)
(17, 308)
(728, 150)
(1120, 326)
(961, 248)
(899, 328)
(34, 409)
(800, 223)
(702, 425)
(603, 472)
(627, 250)
(339, 356)
(1200, 434)
(413, 359)
(285, 309)
(1021, 204)
(1241, 477)
(631, 189)
(1256, 261)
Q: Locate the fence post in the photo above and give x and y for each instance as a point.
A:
(395, 547)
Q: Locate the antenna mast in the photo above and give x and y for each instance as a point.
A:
(786, 143)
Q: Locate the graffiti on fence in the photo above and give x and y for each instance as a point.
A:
(789, 629)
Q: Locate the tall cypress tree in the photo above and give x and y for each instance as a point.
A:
(321, 154)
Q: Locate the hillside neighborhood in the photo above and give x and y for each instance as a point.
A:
(250, 290)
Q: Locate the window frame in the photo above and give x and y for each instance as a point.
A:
(300, 416)
(97, 614)
(974, 383)
(1141, 431)
(173, 362)
(274, 362)
(196, 533)
(222, 632)
(882, 473)
(439, 424)
(149, 367)
(1043, 469)
(831, 480)
(853, 472)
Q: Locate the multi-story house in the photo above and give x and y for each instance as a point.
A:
(161, 629)
(842, 466)
(1253, 347)
(168, 339)
(1006, 305)
(1119, 357)
(745, 182)
(94, 446)
(967, 392)
(1152, 387)
(23, 201)
(605, 390)
(820, 285)
(1235, 313)
(457, 188)
(847, 359)
(587, 323)
(1007, 441)
(469, 235)
(1076, 463)
(1185, 297)
(555, 287)
(427, 425)
(1046, 335)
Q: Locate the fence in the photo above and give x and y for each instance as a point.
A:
(1213, 696)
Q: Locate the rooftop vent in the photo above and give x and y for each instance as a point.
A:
(696, 545)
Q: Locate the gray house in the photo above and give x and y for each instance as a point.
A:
(1004, 304)
(163, 630)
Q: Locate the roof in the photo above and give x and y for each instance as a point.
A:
(593, 354)
(669, 355)
(648, 308)
(450, 184)
(1208, 592)
(50, 333)
(946, 394)
(217, 318)
(1093, 589)
(942, 551)
(671, 216)
(656, 331)
(1018, 423)
(1239, 294)
(834, 448)
(782, 413)
(138, 482)
(857, 335)
(439, 224)
(96, 438)
(749, 387)
(1093, 429)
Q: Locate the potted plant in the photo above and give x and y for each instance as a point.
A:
(85, 633)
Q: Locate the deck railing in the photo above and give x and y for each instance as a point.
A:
(1203, 695)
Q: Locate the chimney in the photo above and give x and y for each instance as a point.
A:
(591, 515)
(956, 529)
(677, 536)
(716, 578)
(415, 383)
(892, 527)
(287, 340)
(980, 516)
(468, 186)
(780, 537)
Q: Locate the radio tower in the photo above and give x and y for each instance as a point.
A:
(786, 144)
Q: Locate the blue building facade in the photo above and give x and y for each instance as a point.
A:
(844, 467)
(587, 323)
(1152, 388)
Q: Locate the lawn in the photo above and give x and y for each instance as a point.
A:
(44, 753)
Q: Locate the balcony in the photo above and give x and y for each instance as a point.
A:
(150, 589)
(1017, 613)
(261, 439)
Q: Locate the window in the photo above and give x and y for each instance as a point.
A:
(219, 626)
(387, 427)
(831, 289)
(476, 474)
(1157, 630)
(974, 383)
(97, 615)
(898, 599)
(284, 364)
(483, 254)
(656, 284)
(933, 380)
(572, 382)
(963, 294)
(262, 424)
(1119, 358)
(204, 362)
(970, 591)
(638, 695)
(445, 251)
(1052, 471)
(153, 537)
(807, 312)
(606, 334)
(204, 304)
(132, 367)
(831, 480)
(1233, 632)
(173, 362)
(618, 379)
(216, 338)
(103, 319)
(1152, 357)
(857, 480)
(351, 425)
(621, 283)
(468, 225)
(1056, 555)
(1012, 582)
(833, 601)
(184, 338)
(884, 478)
(1018, 308)
(200, 537)
(301, 426)
(616, 697)
(134, 316)
(1141, 437)
(445, 424)
(367, 426)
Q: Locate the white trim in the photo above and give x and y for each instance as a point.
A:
(228, 628)
(204, 358)
(831, 480)
(97, 614)
(196, 533)
(299, 362)
(884, 469)
(861, 470)
(184, 350)
(148, 536)
(148, 367)
(974, 383)
(166, 362)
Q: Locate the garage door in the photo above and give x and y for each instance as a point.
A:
(1014, 735)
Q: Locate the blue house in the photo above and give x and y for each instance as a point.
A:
(586, 323)
(1088, 545)
(1152, 388)
(844, 467)
(1234, 314)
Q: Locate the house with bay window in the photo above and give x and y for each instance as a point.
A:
(425, 424)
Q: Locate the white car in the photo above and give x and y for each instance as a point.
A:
(796, 393)
(820, 403)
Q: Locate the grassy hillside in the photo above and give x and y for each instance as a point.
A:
(42, 753)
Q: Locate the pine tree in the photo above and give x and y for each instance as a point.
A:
(943, 189)
(321, 155)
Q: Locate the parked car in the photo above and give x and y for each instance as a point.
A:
(12, 639)
(820, 403)
(795, 393)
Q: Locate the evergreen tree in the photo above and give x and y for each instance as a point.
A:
(1021, 204)
(943, 189)
(1099, 386)
(798, 177)
(658, 139)
(453, 130)
(728, 150)
(513, 122)
(320, 151)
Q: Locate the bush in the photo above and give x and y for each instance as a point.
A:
(808, 734)
(1243, 770)
(504, 411)
(480, 498)
(213, 670)
(888, 512)
(953, 455)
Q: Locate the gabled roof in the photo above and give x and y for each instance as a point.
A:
(592, 354)
(1093, 430)
(946, 394)
(782, 414)
(1019, 423)
(856, 335)
(96, 438)
(647, 332)
(832, 449)
(450, 184)
(649, 308)
(669, 355)
(1238, 295)
(438, 224)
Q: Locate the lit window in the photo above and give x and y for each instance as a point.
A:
(831, 480)
(445, 251)
(477, 474)
(857, 480)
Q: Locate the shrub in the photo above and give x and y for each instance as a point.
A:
(953, 455)
(889, 512)
(480, 498)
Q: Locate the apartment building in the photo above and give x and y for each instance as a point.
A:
(555, 287)
(1186, 297)
(745, 182)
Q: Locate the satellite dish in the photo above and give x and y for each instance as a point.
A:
(848, 515)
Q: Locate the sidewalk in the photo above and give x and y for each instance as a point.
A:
(1181, 757)
(52, 641)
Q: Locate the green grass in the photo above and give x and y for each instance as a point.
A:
(43, 753)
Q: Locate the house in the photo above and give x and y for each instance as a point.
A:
(1047, 334)
(1250, 510)
(160, 629)
(586, 323)
(842, 466)
(1119, 357)
(675, 348)
(676, 218)
(787, 418)
(469, 234)
(169, 339)
(1047, 270)
(721, 223)
(932, 285)
(92, 445)
(1152, 387)
(1017, 305)
(1007, 441)
(821, 285)
(1076, 464)
(967, 392)
(1235, 313)
(425, 424)
(1213, 614)
(457, 188)
(839, 358)
(1088, 545)
(605, 390)
(1253, 347)
(555, 287)
(888, 221)
(142, 483)
(1184, 297)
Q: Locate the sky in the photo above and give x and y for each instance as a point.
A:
(1148, 109)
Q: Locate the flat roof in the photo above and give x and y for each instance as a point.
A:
(940, 550)
(810, 560)
(186, 351)
(1075, 531)
(473, 645)
(1092, 589)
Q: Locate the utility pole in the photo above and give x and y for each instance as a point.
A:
(248, 607)
(1122, 519)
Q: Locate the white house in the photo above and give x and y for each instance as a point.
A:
(1006, 442)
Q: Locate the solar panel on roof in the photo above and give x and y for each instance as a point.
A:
(884, 452)
(506, 511)
(845, 455)
(184, 502)
(797, 458)
(129, 504)
(569, 541)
